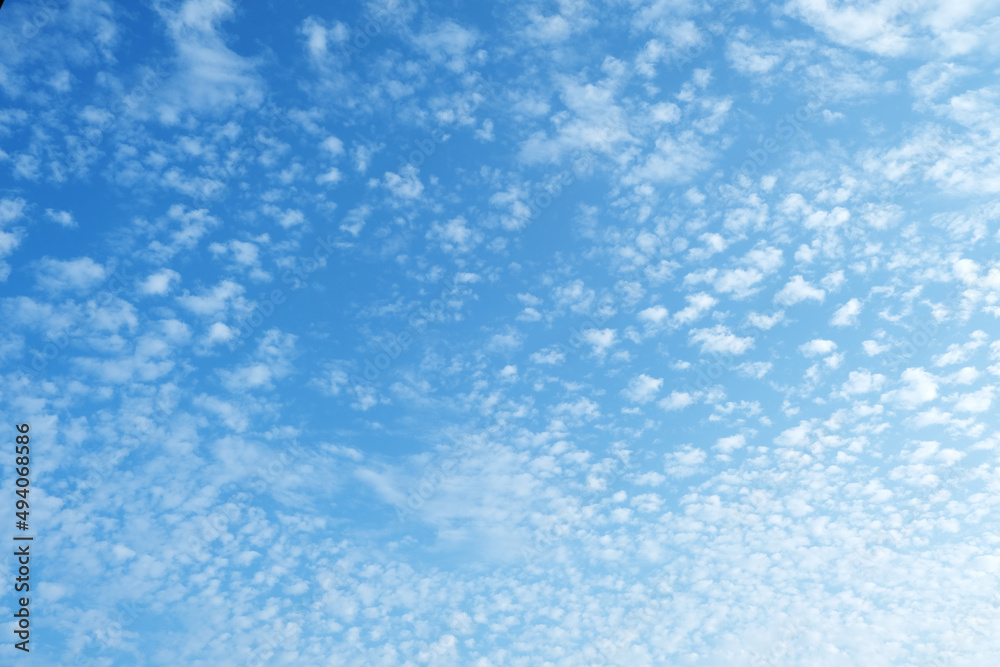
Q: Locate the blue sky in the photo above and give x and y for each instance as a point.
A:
(538, 333)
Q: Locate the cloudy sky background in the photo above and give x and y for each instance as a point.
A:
(531, 333)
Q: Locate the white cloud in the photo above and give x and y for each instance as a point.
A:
(286, 218)
(64, 218)
(862, 382)
(529, 299)
(594, 123)
(231, 415)
(740, 283)
(318, 37)
(834, 360)
(731, 443)
(817, 346)
(270, 361)
(582, 408)
(674, 160)
(448, 44)
(356, 219)
(751, 59)
(920, 387)
(977, 401)
(713, 244)
(210, 77)
(212, 302)
(873, 348)
(827, 220)
(11, 210)
(767, 258)
(798, 289)
(960, 352)
(331, 176)
(333, 146)
(404, 185)
(505, 342)
(651, 478)
(765, 322)
(485, 133)
(600, 340)
(796, 436)
(529, 315)
(548, 357)
(684, 462)
(833, 280)
(876, 27)
(574, 295)
(192, 226)
(159, 282)
(455, 235)
(220, 333)
(966, 375)
(847, 314)
(720, 340)
(653, 314)
(698, 305)
(755, 369)
(362, 155)
(80, 275)
(677, 400)
(966, 270)
(642, 388)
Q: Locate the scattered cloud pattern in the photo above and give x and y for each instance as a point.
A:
(568, 333)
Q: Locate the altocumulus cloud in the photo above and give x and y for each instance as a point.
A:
(576, 333)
